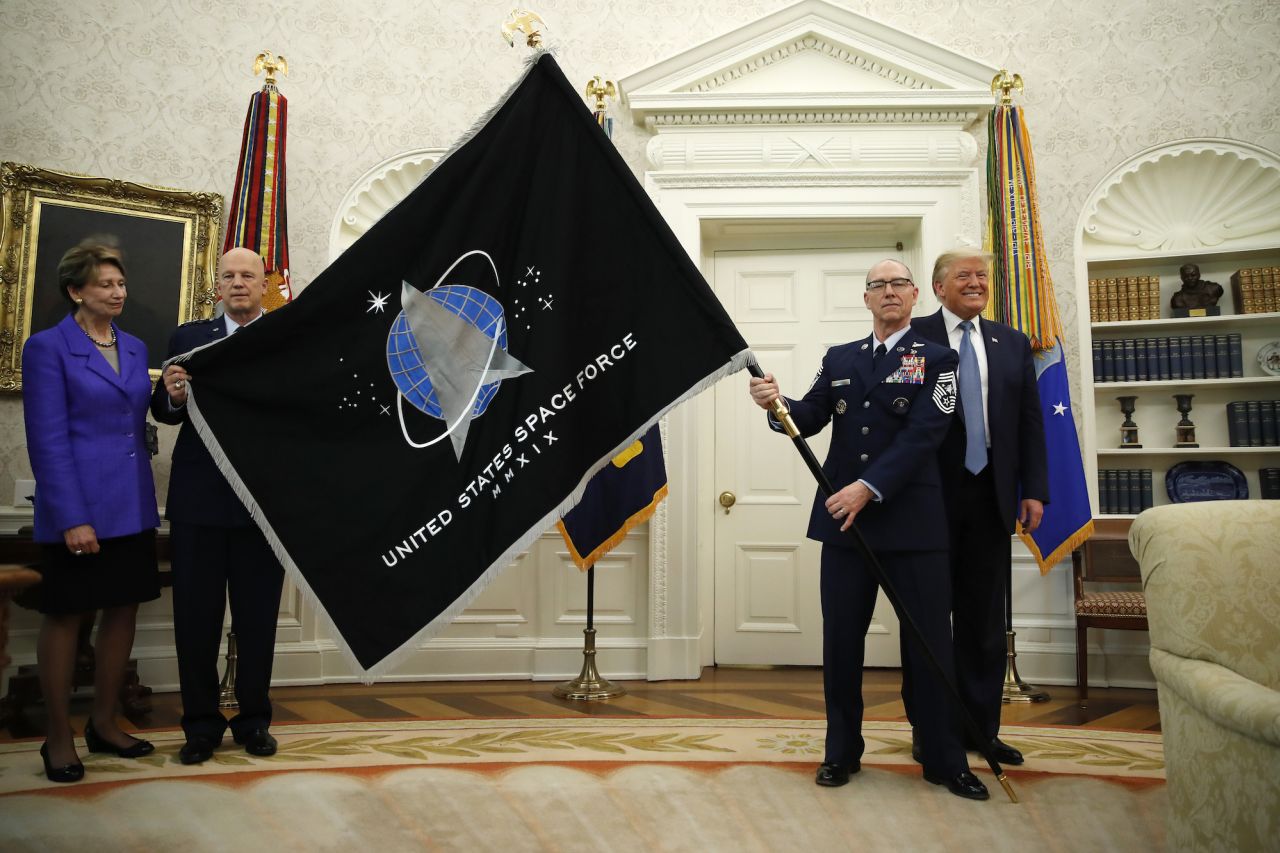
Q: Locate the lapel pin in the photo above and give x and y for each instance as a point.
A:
(864, 346)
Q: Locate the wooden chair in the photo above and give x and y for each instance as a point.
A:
(1105, 558)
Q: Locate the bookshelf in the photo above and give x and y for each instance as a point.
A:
(1121, 239)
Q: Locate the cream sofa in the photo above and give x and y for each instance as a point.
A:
(1211, 574)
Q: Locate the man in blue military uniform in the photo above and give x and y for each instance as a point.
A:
(217, 548)
(890, 399)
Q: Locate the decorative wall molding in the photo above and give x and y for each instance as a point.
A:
(871, 114)
(818, 45)
(730, 180)
(377, 191)
(811, 63)
(827, 146)
(1189, 195)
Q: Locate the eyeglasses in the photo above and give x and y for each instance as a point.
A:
(896, 283)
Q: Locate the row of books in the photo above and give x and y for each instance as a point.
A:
(1269, 483)
(1252, 423)
(1128, 491)
(1131, 298)
(1155, 359)
(1124, 491)
(1257, 290)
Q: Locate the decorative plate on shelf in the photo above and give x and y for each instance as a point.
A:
(1269, 358)
(1205, 481)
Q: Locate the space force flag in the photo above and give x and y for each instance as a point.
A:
(451, 382)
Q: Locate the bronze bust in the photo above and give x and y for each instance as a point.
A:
(1196, 292)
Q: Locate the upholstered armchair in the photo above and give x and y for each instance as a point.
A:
(1211, 574)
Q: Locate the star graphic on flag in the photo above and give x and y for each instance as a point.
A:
(1060, 409)
(377, 302)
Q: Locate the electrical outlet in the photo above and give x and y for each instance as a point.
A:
(22, 492)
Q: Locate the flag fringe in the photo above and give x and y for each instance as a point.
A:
(446, 617)
(1072, 542)
(615, 540)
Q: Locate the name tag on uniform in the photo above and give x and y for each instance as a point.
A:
(836, 383)
(909, 372)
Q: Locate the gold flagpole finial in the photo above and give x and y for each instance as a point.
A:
(600, 89)
(522, 21)
(270, 63)
(1004, 84)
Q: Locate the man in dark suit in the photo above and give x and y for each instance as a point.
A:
(217, 549)
(994, 470)
(890, 399)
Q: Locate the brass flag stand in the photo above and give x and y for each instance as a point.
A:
(590, 685)
(227, 690)
(1015, 689)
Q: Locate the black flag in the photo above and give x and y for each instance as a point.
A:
(441, 393)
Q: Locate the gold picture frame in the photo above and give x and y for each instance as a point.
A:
(169, 239)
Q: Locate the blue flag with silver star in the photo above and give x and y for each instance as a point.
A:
(1068, 518)
(451, 383)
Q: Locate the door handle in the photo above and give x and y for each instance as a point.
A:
(727, 499)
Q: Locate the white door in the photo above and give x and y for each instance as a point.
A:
(790, 306)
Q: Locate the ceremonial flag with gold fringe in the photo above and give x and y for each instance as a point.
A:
(623, 494)
(1022, 297)
(257, 217)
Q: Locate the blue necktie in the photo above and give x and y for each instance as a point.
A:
(877, 355)
(975, 447)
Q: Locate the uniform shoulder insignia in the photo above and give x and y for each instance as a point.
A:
(944, 392)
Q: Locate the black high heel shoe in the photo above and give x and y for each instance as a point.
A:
(96, 743)
(66, 773)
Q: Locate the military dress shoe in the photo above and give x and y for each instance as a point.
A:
(257, 742)
(834, 775)
(1002, 752)
(963, 784)
(198, 749)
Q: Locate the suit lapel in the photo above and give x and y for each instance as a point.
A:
(862, 361)
(130, 358)
(82, 348)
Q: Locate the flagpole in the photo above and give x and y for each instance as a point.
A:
(590, 685)
(1014, 688)
(890, 591)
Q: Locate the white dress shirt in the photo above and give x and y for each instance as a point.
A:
(954, 332)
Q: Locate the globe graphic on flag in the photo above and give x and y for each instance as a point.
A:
(404, 358)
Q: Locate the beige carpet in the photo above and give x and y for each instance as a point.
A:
(583, 784)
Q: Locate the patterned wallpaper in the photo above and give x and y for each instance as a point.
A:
(155, 90)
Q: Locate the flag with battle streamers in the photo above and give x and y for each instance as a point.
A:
(1022, 297)
(257, 217)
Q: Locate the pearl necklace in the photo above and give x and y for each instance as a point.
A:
(107, 345)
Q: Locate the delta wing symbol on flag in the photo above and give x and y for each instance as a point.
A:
(440, 394)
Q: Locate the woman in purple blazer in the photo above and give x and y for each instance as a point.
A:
(86, 389)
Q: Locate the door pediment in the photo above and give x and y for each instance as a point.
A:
(811, 62)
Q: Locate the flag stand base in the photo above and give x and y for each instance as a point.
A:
(227, 690)
(1015, 689)
(590, 685)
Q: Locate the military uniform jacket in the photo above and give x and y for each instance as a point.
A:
(887, 424)
(198, 493)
